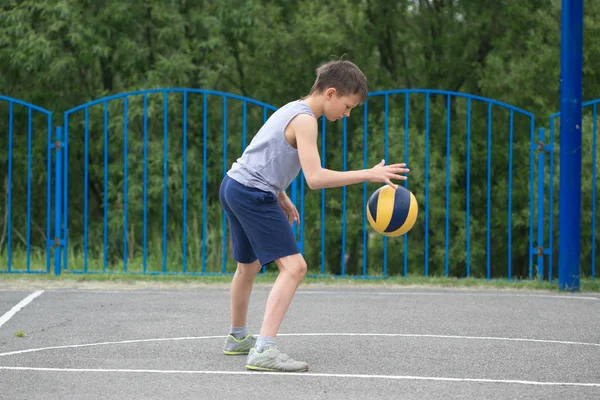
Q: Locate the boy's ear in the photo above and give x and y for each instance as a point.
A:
(330, 92)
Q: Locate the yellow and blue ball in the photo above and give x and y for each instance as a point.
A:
(392, 212)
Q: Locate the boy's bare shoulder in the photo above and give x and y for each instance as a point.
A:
(301, 126)
(304, 121)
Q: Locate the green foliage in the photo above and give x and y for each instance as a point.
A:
(59, 54)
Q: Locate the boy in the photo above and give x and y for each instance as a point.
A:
(260, 213)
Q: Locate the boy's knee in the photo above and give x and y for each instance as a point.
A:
(249, 269)
(299, 268)
(294, 266)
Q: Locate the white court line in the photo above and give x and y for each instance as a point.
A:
(21, 304)
(307, 374)
(16, 352)
(445, 337)
(73, 346)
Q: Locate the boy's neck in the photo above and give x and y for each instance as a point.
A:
(315, 102)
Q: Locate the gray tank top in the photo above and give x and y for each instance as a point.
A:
(269, 162)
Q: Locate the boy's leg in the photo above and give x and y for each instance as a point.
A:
(241, 288)
(265, 356)
(240, 341)
(292, 270)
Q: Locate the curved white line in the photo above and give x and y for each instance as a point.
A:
(307, 334)
(309, 374)
(10, 353)
(445, 337)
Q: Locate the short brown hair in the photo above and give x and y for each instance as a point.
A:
(344, 76)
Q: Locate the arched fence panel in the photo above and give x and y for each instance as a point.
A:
(472, 167)
(25, 172)
(143, 177)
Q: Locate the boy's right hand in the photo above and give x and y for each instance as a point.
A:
(385, 173)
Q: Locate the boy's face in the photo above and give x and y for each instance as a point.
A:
(336, 107)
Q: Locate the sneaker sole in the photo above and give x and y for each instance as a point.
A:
(235, 353)
(255, 368)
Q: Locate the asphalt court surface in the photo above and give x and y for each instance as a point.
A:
(364, 342)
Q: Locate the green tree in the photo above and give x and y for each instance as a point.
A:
(60, 54)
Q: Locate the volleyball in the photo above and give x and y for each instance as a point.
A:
(392, 212)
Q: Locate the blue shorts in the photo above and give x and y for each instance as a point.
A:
(259, 228)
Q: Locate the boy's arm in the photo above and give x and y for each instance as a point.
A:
(306, 131)
(282, 196)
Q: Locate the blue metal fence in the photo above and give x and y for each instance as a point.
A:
(160, 152)
(422, 162)
(25, 125)
(129, 110)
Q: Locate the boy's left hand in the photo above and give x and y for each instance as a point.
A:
(289, 209)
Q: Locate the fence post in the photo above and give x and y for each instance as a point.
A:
(569, 253)
(540, 211)
(58, 241)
